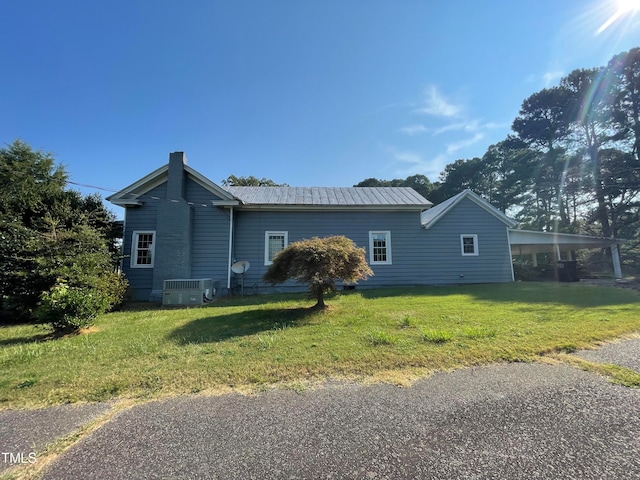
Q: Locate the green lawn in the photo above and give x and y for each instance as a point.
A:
(256, 341)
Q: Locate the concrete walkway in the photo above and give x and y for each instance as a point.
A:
(504, 421)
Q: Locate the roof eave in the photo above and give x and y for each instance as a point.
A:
(568, 236)
(151, 179)
(124, 202)
(358, 208)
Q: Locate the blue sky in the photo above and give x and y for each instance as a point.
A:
(309, 93)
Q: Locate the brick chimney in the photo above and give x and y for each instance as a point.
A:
(176, 180)
(173, 228)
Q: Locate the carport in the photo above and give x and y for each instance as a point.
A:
(527, 242)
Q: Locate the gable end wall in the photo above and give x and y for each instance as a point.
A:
(443, 261)
(207, 255)
(136, 219)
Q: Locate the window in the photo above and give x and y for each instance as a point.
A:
(380, 248)
(142, 247)
(469, 244)
(274, 243)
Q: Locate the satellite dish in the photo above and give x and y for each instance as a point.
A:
(240, 267)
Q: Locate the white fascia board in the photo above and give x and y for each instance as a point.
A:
(146, 183)
(482, 203)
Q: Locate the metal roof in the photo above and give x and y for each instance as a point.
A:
(528, 241)
(330, 196)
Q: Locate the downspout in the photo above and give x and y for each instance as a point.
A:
(230, 249)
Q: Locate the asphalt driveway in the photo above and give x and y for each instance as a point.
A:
(504, 421)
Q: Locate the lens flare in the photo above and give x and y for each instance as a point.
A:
(625, 7)
(628, 5)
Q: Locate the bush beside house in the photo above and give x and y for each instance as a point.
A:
(57, 247)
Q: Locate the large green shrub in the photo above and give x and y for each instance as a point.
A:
(67, 309)
(113, 287)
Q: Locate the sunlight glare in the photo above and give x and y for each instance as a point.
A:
(624, 6)
(628, 5)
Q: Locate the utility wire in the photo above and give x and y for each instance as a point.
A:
(92, 186)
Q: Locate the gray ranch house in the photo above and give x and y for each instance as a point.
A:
(181, 230)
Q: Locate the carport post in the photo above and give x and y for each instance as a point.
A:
(615, 258)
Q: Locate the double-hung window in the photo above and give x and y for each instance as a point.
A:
(469, 245)
(380, 248)
(142, 249)
(274, 243)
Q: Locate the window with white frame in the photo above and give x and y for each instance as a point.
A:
(274, 243)
(469, 245)
(142, 248)
(380, 248)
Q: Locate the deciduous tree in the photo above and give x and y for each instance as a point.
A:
(319, 262)
(250, 181)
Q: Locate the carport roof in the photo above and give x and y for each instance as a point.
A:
(527, 241)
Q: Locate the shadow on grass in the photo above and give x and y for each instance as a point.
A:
(574, 294)
(222, 327)
(227, 301)
(41, 337)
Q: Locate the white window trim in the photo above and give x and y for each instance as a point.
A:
(476, 250)
(269, 233)
(134, 249)
(387, 234)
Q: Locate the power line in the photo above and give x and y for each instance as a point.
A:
(92, 186)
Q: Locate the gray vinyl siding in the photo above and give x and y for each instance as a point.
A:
(210, 248)
(419, 256)
(442, 260)
(209, 236)
(140, 218)
(405, 228)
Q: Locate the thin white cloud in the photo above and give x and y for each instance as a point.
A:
(469, 126)
(413, 129)
(552, 78)
(436, 104)
(455, 130)
(494, 125)
(452, 127)
(547, 79)
(455, 146)
(406, 156)
(408, 162)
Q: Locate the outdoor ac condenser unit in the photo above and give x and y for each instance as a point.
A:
(187, 291)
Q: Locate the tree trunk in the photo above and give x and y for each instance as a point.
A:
(320, 305)
(593, 149)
